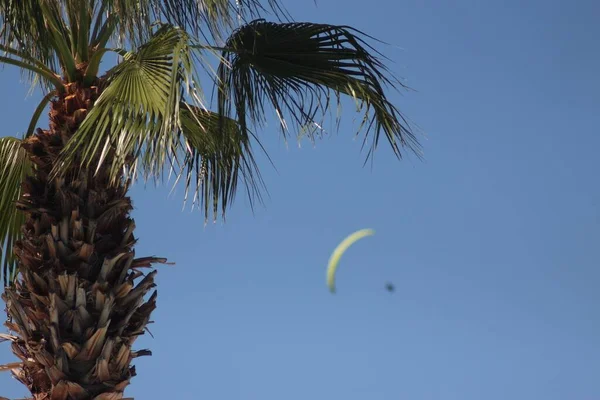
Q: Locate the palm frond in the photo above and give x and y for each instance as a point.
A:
(141, 125)
(39, 31)
(23, 26)
(38, 72)
(214, 14)
(138, 111)
(62, 36)
(296, 67)
(198, 17)
(217, 153)
(14, 167)
(38, 112)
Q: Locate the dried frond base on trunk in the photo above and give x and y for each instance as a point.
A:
(78, 304)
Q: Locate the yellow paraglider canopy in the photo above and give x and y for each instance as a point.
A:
(339, 251)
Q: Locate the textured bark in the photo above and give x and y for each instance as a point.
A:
(78, 305)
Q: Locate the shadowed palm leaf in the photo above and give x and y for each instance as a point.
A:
(214, 14)
(295, 67)
(217, 152)
(14, 166)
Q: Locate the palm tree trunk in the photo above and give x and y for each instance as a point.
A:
(77, 306)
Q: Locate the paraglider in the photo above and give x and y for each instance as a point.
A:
(339, 251)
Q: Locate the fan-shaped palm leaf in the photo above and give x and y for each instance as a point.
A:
(14, 166)
(142, 122)
(138, 111)
(296, 66)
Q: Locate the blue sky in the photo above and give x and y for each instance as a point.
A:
(492, 241)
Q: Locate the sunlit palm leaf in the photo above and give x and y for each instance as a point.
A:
(14, 167)
(215, 159)
(142, 122)
(296, 67)
(138, 111)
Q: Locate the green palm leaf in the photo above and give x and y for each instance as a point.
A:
(142, 122)
(216, 15)
(295, 67)
(39, 30)
(64, 34)
(138, 111)
(14, 167)
(23, 26)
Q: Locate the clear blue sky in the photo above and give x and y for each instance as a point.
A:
(492, 242)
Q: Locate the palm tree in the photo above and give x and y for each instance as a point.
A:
(76, 296)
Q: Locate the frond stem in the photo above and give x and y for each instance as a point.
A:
(26, 57)
(44, 73)
(38, 111)
(94, 65)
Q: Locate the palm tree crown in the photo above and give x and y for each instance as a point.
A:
(152, 114)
